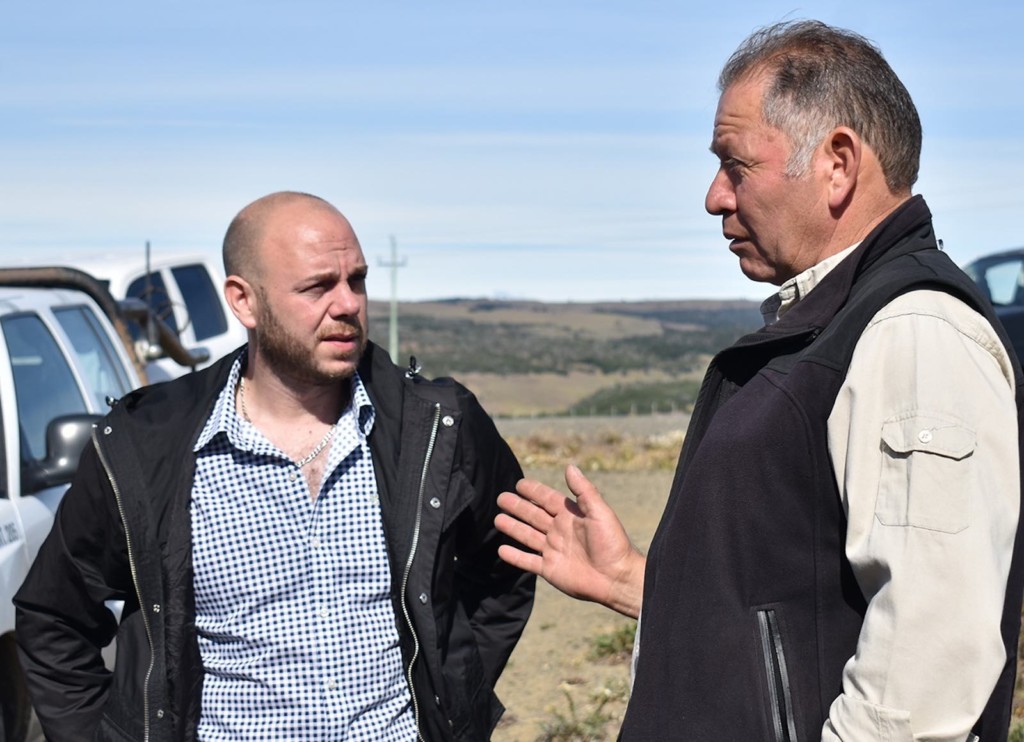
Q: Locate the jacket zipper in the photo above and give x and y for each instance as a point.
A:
(779, 692)
(408, 566)
(135, 581)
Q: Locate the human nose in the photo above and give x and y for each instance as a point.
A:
(721, 197)
(345, 300)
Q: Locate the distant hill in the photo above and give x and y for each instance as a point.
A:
(605, 356)
(474, 335)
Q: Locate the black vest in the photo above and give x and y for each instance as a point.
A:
(750, 607)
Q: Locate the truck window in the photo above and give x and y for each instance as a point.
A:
(104, 374)
(43, 382)
(4, 493)
(155, 295)
(201, 301)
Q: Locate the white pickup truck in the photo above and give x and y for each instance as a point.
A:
(61, 359)
(182, 289)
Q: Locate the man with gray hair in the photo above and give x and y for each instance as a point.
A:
(839, 558)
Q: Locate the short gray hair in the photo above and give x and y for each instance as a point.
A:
(820, 77)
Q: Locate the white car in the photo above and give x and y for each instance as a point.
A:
(185, 291)
(61, 362)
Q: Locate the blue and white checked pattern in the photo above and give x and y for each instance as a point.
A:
(296, 628)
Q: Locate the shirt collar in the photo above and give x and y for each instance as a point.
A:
(361, 401)
(797, 288)
(227, 420)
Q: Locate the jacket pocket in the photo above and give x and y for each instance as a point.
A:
(780, 699)
(926, 473)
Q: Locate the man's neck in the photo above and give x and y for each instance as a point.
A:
(283, 399)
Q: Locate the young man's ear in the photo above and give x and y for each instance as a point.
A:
(241, 297)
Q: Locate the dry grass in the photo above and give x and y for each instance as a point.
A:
(1017, 717)
(525, 395)
(604, 451)
(551, 320)
(560, 684)
(534, 394)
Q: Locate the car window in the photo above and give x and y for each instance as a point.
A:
(104, 374)
(4, 493)
(201, 300)
(43, 382)
(154, 293)
(1003, 281)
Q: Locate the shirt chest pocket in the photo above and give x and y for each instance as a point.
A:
(927, 473)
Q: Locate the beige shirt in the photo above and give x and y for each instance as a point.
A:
(923, 439)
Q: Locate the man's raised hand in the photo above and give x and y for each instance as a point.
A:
(579, 546)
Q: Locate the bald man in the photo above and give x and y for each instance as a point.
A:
(302, 534)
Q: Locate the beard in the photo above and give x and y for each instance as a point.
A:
(290, 357)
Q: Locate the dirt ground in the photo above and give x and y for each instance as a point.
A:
(552, 658)
(552, 663)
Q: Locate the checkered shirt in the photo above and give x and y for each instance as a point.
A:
(296, 628)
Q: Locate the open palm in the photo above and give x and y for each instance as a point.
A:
(579, 546)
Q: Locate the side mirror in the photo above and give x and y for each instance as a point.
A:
(200, 354)
(66, 436)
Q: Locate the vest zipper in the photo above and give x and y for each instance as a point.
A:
(408, 566)
(135, 581)
(779, 692)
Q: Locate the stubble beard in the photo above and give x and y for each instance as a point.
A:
(290, 358)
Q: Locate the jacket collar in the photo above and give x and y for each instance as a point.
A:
(907, 229)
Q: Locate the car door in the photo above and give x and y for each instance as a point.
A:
(63, 361)
(14, 555)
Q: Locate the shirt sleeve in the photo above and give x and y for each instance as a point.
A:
(923, 439)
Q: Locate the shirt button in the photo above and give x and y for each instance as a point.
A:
(423, 598)
(332, 684)
(925, 436)
(293, 476)
(448, 421)
(324, 612)
(435, 503)
(315, 543)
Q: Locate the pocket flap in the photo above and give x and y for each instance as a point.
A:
(929, 433)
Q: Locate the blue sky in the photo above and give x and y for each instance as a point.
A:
(551, 150)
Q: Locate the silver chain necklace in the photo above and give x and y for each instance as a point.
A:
(312, 454)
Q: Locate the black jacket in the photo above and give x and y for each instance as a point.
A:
(751, 608)
(123, 532)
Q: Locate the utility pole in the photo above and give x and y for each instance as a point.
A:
(394, 264)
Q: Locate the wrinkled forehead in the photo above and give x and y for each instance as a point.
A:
(739, 108)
